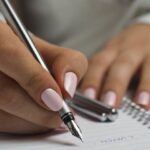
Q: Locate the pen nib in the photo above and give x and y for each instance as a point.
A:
(75, 130)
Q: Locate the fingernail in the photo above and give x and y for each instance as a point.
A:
(109, 98)
(143, 98)
(90, 93)
(70, 83)
(52, 100)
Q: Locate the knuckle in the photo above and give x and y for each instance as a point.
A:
(100, 59)
(75, 55)
(114, 84)
(125, 61)
(77, 59)
(36, 82)
(81, 56)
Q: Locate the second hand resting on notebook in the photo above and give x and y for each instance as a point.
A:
(111, 70)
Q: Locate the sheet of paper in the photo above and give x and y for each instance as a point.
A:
(124, 134)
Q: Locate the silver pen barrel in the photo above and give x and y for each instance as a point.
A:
(17, 25)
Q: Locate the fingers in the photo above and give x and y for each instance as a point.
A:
(66, 65)
(68, 70)
(15, 101)
(109, 75)
(142, 96)
(98, 65)
(119, 77)
(18, 125)
(17, 62)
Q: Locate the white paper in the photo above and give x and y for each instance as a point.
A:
(124, 134)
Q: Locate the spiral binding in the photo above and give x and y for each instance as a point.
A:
(136, 112)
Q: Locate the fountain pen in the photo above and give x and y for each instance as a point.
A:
(16, 24)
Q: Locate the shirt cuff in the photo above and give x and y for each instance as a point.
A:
(2, 18)
(142, 19)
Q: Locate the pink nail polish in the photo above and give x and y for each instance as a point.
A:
(90, 93)
(52, 100)
(70, 83)
(143, 98)
(109, 98)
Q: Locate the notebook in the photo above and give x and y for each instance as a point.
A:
(131, 131)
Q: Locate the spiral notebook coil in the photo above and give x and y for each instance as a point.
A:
(136, 112)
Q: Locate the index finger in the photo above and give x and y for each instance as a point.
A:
(18, 63)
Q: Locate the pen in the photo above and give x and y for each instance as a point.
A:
(102, 117)
(16, 24)
(94, 108)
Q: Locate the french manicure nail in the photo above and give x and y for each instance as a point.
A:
(90, 93)
(52, 100)
(143, 98)
(109, 98)
(70, 83)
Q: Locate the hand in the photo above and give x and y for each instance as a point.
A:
(111, 70)
(27, 88)
(19, 113)
(19, 126)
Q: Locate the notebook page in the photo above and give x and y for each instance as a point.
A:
(125, 133)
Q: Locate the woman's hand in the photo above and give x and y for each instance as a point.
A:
(19, 113)
(111, 70)
(27, 90)
(11, 124)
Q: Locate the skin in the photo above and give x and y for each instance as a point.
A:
(127, 51)
(125, 56)
(22, 80)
